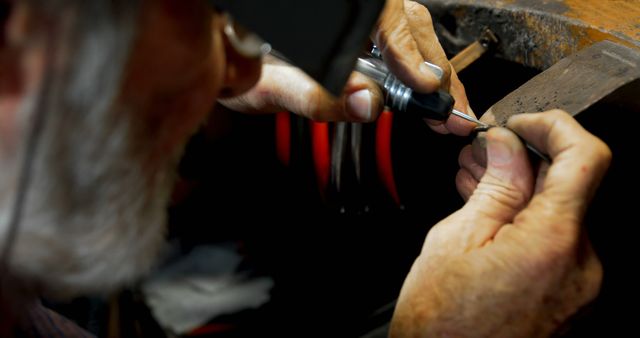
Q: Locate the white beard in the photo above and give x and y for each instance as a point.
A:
(95, 212)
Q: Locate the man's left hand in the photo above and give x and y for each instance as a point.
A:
(406, 38)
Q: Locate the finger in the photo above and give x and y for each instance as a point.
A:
(579, 161)
(426, 39)
(507, 183)
(469, 175)
(283, 87)
(400, 51)
(465, 183)
(540, 178)
(503, 191)
(455, 124)
(480, 143)
(479, 149)
(456, 89)
(437, 126)
(421, 26)
(467, 162)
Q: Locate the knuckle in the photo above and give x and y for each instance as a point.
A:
(447, 70)
(601, 150)
(557, 113)
(311, 106)
(415, 9)
(593, 150)
(555, 117)
(382, 39)
(395, 41)
(598, 155)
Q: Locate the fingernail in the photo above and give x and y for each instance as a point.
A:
(359, 105)
(430, 68)
(499, 152)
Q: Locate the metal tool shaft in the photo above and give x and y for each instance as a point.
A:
(486, 127)
(469, 118)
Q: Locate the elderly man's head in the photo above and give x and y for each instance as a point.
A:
(117, 87)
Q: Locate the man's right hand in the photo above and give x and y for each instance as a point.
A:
(514, 261)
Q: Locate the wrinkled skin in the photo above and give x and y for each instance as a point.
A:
(514, 261)
(406, 38)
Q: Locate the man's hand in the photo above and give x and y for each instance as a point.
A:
(406, 37)
(514, 261)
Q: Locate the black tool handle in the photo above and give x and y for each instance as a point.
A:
(435, 106)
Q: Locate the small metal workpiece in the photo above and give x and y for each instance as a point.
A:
(485, 127)
(488, 38)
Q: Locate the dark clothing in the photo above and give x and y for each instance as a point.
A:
(41, 322)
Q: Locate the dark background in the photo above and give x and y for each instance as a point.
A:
(337, 274)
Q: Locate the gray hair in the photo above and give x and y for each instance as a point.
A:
(67, 241)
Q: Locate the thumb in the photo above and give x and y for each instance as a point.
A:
(504, 190)
(580, 160)
(283, 87)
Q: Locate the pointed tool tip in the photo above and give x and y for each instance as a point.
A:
(469, 118)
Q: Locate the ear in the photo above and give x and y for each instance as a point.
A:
(241, 71)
